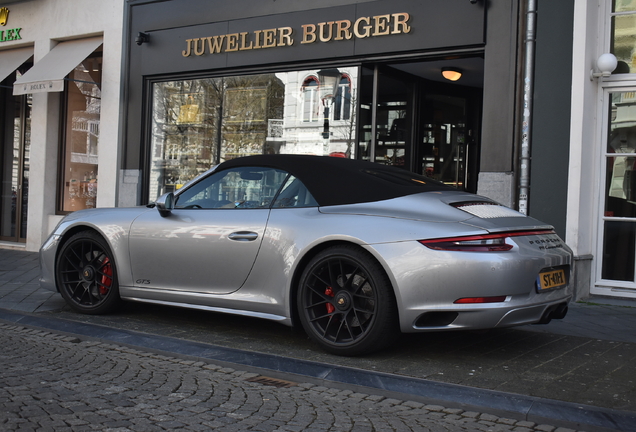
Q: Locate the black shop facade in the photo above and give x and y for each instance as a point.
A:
(398, 83)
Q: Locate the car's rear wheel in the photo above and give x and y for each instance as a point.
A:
(346, 302)
(86, 275)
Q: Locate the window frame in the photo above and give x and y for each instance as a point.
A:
(64, 144)
(601, 285)
(311, 115)
(273, 203)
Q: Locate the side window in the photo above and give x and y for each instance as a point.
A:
(236, 188)
(294, 194)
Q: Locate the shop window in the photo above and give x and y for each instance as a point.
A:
(197, 123)
(82, 124)
(185, 131)
(15, 147)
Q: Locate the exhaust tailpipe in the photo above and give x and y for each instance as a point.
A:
(557, 311)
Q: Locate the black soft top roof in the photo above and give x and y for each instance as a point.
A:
(338, 181)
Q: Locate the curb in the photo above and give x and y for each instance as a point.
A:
(534, 409)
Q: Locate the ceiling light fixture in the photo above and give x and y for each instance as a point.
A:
(451, 74)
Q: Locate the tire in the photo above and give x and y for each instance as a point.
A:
(346, 302)
(85, 274)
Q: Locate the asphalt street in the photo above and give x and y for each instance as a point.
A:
(579, 373)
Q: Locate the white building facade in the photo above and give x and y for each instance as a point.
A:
(60, 73)
(601, 218)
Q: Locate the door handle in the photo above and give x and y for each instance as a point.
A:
(243, 236)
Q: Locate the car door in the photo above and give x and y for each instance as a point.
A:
(210, 240)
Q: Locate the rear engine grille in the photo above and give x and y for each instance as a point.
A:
(488, 210)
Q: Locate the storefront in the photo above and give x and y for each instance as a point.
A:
(348, 79)
(602, 216)
(113, 103)
(60, 66)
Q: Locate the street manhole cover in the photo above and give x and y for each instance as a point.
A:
(275, 382)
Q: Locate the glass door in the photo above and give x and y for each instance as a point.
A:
(421, 125)
(618, 220)
(16, 142)
(386, 108)
(442, 151)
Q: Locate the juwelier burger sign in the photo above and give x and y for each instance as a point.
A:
(361, 28)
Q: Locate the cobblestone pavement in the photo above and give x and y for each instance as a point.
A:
(51, 382)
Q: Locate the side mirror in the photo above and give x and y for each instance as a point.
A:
(165, 204)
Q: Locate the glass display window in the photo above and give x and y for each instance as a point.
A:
(197, 123)
(81, 143)
(15, 145)
(618, 246)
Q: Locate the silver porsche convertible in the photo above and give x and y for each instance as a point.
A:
(352, 251)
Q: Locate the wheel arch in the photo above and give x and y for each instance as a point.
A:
(309, 255)
(87, 276)
(80, 228)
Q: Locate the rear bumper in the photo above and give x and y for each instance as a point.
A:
(488, 316)
(427, 284)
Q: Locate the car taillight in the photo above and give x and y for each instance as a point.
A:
(476, 300)
(479, 243)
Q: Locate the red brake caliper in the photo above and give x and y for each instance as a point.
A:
(107, 277)
(330, 293)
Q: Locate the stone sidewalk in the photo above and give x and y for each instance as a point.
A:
(75, 385)
(585, 364)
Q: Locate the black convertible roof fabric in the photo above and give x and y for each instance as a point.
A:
(338, 181)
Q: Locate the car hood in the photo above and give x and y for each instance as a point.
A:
(443, 207)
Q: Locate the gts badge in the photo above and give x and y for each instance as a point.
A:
(142, 281)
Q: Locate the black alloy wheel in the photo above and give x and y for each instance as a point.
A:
(86, 275)
(346, 302)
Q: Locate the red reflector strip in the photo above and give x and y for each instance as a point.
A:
(473, 300)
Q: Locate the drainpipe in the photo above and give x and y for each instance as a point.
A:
(528, 86)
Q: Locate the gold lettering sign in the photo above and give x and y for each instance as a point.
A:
(363, 27)
(4, 16)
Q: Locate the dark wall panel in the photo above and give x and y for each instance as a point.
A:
(551, 112)
(500, 69)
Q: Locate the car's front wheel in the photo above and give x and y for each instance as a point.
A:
(86, 275)
(346, 302)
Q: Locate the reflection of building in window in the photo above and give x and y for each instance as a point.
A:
(84, 137)
(311, 100)
(80, 162)
(200, 122)
(622, 140)
(304, 111)
(342, 102)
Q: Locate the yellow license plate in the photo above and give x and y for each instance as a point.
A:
(551, 279)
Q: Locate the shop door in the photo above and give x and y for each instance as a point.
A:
(386, 110)
(16, 140)
(446, 149)
(419, 125)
